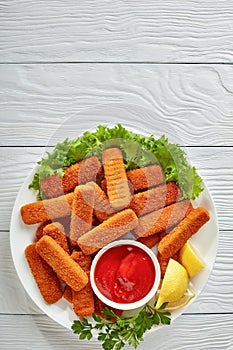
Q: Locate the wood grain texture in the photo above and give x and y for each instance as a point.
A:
(214, 165)
(187, 332)
(154, 31)
(16, 164)
(11, 301)
(196, 101)
(58, 58)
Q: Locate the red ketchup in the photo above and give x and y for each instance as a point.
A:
(124, 274)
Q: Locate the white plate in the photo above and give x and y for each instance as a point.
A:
(139, 120)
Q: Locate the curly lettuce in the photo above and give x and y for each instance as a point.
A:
(138, 150)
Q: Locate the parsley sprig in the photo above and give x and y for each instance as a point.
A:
(129, 330)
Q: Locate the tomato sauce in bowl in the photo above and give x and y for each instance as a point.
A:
(125, 274)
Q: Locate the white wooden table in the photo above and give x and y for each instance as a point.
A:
(175, 57)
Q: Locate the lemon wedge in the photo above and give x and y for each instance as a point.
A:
(174, 284)
(184, 300)
(190, 259)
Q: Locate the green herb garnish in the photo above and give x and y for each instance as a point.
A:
(129, 330)
(139, 151)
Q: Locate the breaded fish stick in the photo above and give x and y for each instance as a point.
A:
(163, 262)
(46, 279)
(155, 198)
(141, 178)
(57, 232)
(145, 177)
(79, 173)
(39, 230)
(117, 183)
(175, 240)
(65, 221)
(149, 241)
(165, 232)
(99, 306)
(161, 219)
(83, 260)
(81, 217)
(102, 208)
(67, 293)
(111, 229)
(62, 263)
(83, 301)
(47, 209)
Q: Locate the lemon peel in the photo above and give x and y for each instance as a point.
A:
(190, 259)
(174, 284)
(184, 300)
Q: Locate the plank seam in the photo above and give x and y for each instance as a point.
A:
(185, 313)
(51, 146)
(115, 62)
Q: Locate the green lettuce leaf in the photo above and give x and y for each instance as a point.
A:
(138, 150)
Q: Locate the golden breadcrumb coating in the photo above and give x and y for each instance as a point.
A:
(47, 209)
(102, 207)
(83, 301)
(161, 219)
(67, 294)
(155, 198)
(62, 263)
(46, 279)
(118, 191)
(145, 177)
(141, 178)
(163, 262)
(57, 232)
(79, 173)
(165, 232)
(109, 230)
(82, 211)
(149, 241)
(99, 305)
(39, 230)
(175, 239)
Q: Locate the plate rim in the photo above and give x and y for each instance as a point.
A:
(15, 216)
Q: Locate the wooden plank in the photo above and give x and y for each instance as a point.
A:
(213, 164)
(187, 332)
(17, 163)
(190, 31)
(11, 301)
(193, 101)
(215, 297)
